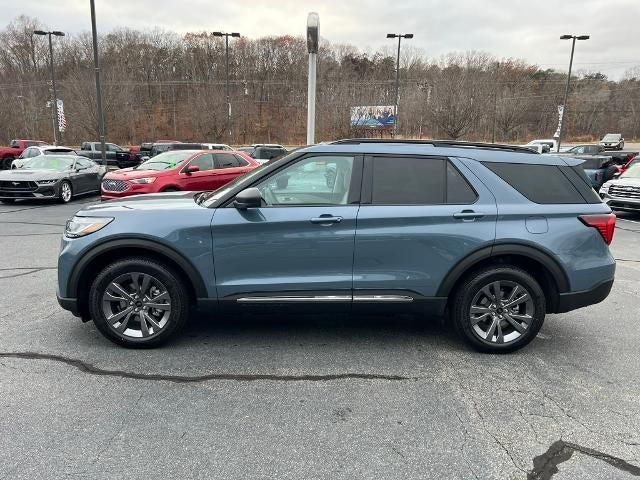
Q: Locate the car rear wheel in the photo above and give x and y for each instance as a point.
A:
(138, 302)
(66, 192)
(498, 309)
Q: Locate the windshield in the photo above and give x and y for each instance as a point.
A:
(611, 137)
(632, 172)
(164, 161)
(50, 163)
(214, 195)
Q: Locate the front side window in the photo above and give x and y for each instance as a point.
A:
(164, 161)
(323, 180)
(203, 162)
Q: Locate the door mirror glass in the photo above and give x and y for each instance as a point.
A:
(248, 198)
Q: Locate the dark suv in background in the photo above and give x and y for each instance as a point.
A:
(493, 237)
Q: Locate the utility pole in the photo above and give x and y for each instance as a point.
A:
(566, 90)
(96, 66)
(226, 39)
(56, 125)
(399, 37)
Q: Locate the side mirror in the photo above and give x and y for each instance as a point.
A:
(192, 169)
(248, 198)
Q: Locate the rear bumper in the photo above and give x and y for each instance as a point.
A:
(574, 300)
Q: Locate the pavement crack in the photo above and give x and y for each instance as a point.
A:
(28, 272)
(93, 370)
(545, 466)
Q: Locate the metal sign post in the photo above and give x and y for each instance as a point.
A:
(313, 37)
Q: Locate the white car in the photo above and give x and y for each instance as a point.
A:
(550, 142)
(216, 146)
(32, 152)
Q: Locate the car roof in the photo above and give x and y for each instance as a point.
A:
(486, 153)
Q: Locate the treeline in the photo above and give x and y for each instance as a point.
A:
(159, 84)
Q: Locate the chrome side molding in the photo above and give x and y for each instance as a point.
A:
(327, 299)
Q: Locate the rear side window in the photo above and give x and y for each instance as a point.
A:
(408, 181)
(544, 184)
(226, 160)
(458, 189)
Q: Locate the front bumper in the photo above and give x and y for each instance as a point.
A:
(70, 304)
(38, 192)
(574, 300)
(624, 204)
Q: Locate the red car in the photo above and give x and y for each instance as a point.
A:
(178, 170)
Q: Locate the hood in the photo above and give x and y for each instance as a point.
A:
(148, 201)
(131, 173)
(634, 182)
(23, 174)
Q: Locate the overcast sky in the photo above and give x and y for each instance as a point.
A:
(505, 28)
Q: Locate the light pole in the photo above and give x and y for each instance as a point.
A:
(573, 39)
(313, 39)
(56, 126)
(399, 36)
(226, 39)
(96, 67)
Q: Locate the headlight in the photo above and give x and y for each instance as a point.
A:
(45, 182)
(81, 226)
(143, 180)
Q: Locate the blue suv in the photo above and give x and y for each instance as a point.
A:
(491, 236)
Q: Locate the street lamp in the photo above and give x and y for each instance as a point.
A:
(573, 39)
(226, 39)
(56, 126)
(399, 36)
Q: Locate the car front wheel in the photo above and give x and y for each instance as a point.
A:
(498, 309)
(138, 302)
(66, 192)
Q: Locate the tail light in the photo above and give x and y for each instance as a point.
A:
(605, 223)
(597, 176)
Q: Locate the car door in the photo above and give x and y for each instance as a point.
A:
(228, 167)
(297, 247)
(81, 176)
(419, 217)
(200, 180)
(91, 173)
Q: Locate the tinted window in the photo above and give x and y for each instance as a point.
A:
(226, 160)
(408, 181)
(204, 161)
(241, 161)
(579, 178)
(458, 189)
(539, 183)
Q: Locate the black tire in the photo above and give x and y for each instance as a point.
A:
(473, 285)
(6, 163)
(167, 278)
(171, 189)
(62, 198)
(610, 171)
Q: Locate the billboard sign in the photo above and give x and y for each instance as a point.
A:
(378, 116)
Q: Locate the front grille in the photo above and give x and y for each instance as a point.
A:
(114, 185)
(17, 186)
(624, 191)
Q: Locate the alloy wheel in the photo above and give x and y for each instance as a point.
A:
(501, 312)
(65, 191)
(136, 305)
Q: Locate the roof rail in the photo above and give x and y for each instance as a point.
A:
(438, 143)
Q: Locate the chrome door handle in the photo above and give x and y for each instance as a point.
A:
(326, 219)
(468, 215)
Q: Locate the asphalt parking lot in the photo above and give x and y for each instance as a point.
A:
(313, 396)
